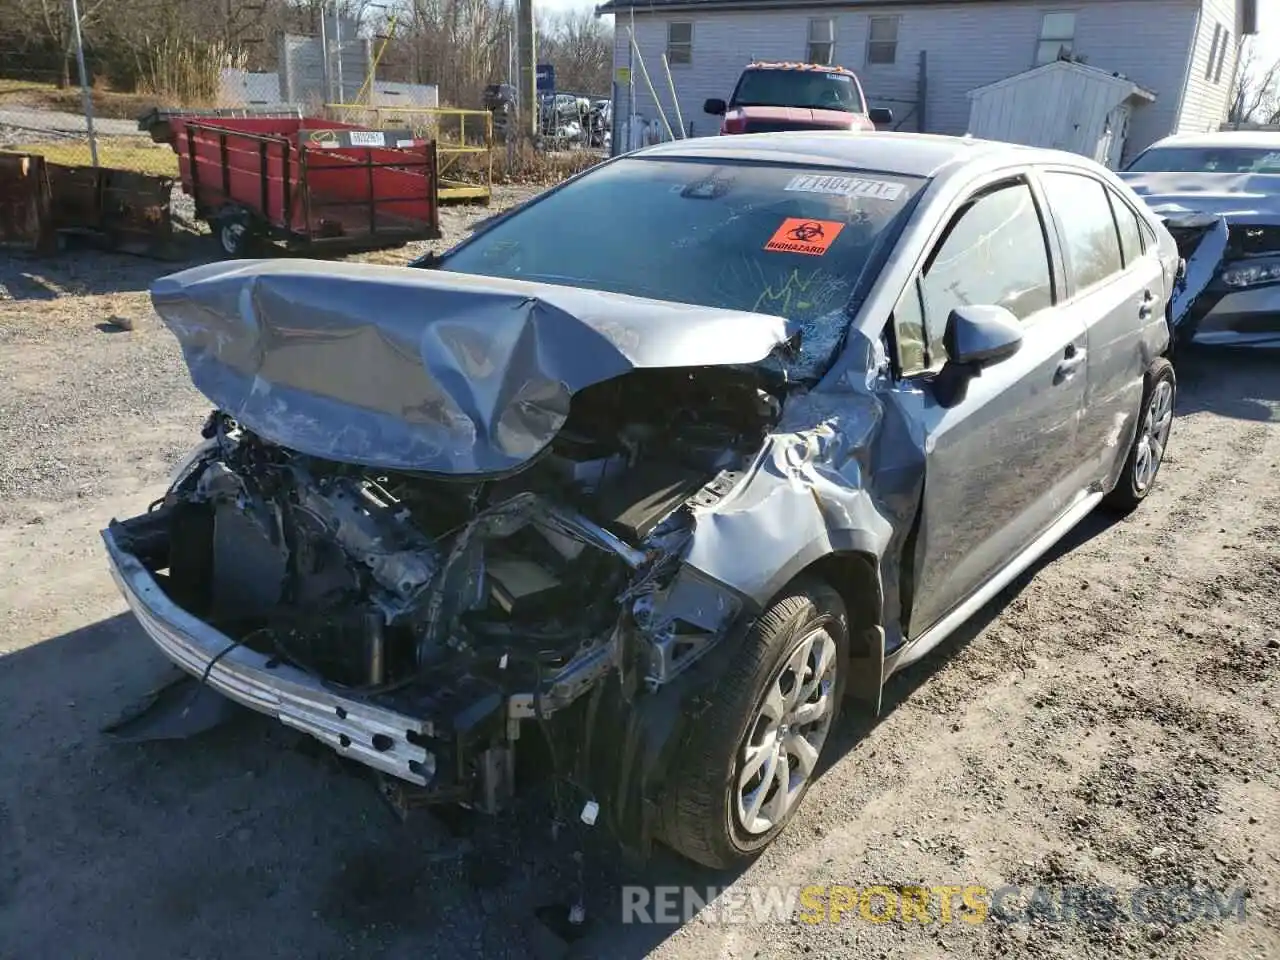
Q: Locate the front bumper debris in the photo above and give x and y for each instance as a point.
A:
(379, 738)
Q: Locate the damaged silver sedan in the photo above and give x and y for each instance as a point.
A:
(652, 474)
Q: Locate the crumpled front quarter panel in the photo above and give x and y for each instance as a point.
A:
(842, 472)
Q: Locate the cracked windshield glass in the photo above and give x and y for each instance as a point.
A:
(784, 240)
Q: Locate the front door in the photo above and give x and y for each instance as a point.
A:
(1002, 465)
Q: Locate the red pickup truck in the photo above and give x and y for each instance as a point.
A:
(796, 96)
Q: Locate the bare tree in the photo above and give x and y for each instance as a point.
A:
(581, 47)
(1256, 97)
(55, 16)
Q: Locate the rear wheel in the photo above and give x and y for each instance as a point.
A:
(1155, 421)
(234, 232)
(754, 751)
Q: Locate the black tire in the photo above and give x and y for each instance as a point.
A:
(700, 817)
(1130, 490)
(233, 229)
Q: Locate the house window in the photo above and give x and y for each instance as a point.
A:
(1057, 36)
(1222, 55)
(679, 43)
(882, 39)
(1213, 52)
(822, 42)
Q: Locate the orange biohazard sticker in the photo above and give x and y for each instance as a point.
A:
(810, 237)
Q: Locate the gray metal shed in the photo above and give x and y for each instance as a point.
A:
(1065, 105)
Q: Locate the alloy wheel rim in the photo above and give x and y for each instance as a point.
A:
(1154, 436)
(786, 735)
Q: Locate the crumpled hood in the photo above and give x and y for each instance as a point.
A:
(1242, 197)
(425, 370)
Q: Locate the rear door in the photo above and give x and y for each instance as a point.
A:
(1002, 465)
(1116, 289)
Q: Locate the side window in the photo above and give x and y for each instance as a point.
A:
(1130, 231)
(1089, 230)
(993, 254)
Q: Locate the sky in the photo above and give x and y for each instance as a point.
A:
(1266, 45)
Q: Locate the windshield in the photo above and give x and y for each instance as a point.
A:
(784, 240)
(798, 88)
(1208, 160)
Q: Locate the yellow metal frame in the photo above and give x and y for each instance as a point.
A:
(448, 153)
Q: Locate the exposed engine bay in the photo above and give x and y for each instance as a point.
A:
(455, 596)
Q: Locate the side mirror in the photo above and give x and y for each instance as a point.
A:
(976, 337)
(715, 106)
(880, 116)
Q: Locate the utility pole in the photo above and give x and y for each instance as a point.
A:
(84, 85)
(337, 33)
(528, 66)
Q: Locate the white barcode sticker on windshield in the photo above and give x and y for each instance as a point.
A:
(846, 187)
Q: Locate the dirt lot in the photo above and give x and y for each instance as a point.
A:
(1111, 722)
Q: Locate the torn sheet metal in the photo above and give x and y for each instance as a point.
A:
(841, 473)
(425, 370)
(1202, 241)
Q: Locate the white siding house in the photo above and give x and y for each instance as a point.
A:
(1184, 52)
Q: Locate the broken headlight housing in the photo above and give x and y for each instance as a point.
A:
(1252, 273)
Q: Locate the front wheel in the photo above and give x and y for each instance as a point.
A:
(754, 751)
(1155, 420)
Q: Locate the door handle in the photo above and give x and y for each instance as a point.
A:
(1072, 359)
(1147, 306)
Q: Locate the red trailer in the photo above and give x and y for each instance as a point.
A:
(311, 183)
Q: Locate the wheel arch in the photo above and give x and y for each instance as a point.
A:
(855, 575)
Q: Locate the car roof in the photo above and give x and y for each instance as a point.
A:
(907, 154)
(1227, 138)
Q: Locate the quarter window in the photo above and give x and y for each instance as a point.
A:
(1129, 227)
(822, 42)
(680, 42)
(993, 254)
(1088, 229)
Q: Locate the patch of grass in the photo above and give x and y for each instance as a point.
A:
(524, 164)
(123, 153)
(8, 86)
(106, 103)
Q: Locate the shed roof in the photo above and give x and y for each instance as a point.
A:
(1070, 66)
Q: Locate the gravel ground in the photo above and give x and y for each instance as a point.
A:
(1111, 721)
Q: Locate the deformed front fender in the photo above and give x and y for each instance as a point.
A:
(834, 490)
(805, 496)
